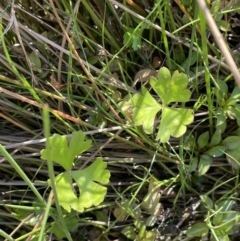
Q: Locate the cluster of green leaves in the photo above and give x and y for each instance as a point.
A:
(206, 148)
(88, 180)
(150, 206)
(221, 220)
(228, 106)
(170, 88)
(218, 9)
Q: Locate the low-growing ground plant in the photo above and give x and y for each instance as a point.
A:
(140, 139)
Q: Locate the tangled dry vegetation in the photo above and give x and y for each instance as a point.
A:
(85, 60)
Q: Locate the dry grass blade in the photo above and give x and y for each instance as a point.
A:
(220, 41)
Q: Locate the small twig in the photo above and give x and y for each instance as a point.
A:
(220, 41)
(43, 140)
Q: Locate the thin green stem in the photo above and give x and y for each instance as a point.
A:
(207, 74)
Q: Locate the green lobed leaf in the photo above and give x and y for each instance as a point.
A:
(145, 108)
(59, 151)
(173, 123)
(198, 230)
(171, 88)
(89, 182)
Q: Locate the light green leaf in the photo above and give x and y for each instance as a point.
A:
(59, 151)
(66, 196)
(145, 108)
(198, 230)
(171, 88)
(89, 182)
(78, 144)
(204, 164)
(173, 123)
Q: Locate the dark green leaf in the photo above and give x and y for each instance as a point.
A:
(235, 112)
(231, 142)
(233, 158)
(207, 201)
(188, 141)
(225, 205)
(193, 164)
(234, 96)
(129, 232)
(217, 137)
(198, 230)
(204, 164)
(202, 140)
(216, 151)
